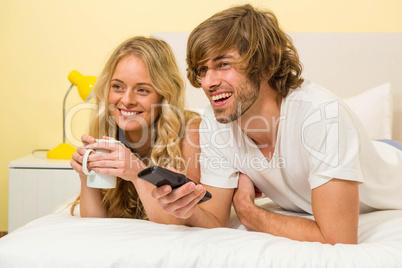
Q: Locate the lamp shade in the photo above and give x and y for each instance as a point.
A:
(83, 83)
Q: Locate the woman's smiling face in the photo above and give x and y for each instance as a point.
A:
(133, 101)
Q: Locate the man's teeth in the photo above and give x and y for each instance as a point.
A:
(128, 113)
(221, 96)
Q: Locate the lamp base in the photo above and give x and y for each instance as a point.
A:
(62, 151)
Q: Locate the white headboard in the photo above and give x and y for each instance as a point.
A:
(345, 63)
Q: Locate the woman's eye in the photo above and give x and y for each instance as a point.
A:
(143, 90)
(116, 87)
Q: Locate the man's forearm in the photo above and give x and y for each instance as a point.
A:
(296, 228)
(203, 218)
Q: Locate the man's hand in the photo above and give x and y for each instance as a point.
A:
(245, 192)
(180, 202)
(244, 196)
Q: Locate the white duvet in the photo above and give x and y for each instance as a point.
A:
(61, 240)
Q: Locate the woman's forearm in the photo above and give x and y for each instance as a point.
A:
(91, 201)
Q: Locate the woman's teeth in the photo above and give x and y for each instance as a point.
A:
(221, 96)
(125, 113)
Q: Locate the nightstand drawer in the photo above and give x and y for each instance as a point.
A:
(36, 192)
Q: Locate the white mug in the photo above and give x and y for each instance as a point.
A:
(98, 180)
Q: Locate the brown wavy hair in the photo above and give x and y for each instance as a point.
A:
(123, 201)
(266, 49)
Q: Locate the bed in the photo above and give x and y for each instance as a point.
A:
(61, 240)
(362, 68)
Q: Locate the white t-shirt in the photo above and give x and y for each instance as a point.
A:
(319, 138)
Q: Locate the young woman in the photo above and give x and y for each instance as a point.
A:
(140, 100)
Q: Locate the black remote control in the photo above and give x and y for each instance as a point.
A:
(160, 176)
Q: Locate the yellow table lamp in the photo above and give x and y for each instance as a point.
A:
(84, 85)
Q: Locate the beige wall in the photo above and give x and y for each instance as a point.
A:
(42, 41)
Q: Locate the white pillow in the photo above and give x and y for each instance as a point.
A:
(374, 108)
(197, 110)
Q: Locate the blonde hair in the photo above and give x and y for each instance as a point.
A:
(267, 50)
(123, 201)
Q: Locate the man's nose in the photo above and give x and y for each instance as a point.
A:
(210, 80)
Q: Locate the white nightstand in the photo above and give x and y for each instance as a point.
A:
(37, 186)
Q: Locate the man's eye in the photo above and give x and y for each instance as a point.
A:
(202, 70)
(223, 64)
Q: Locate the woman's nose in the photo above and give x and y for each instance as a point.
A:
(129, 98)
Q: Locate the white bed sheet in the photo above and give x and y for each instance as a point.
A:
(61, 240)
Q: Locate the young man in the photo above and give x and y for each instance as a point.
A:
(296, 142)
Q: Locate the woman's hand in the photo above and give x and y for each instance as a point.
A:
(76, 161)
(90, 198)
(120, 162)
